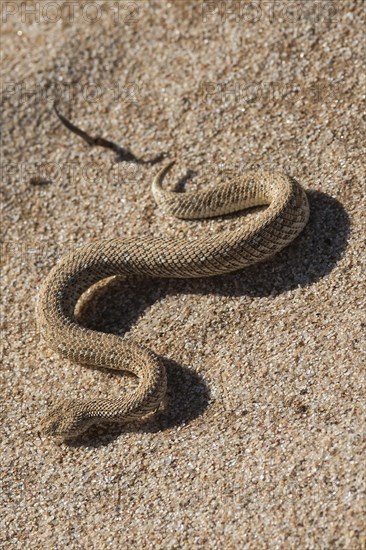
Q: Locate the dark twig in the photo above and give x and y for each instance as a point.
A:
(123, 155)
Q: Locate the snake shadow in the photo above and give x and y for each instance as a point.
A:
(187, 398)
(309, 258)
(117, 305)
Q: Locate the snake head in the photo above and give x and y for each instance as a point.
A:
(67, 420)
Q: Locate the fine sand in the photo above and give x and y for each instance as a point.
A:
(261, 443)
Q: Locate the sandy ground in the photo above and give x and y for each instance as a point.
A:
(262, 441)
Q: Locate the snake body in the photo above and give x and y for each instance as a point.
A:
(275, 227)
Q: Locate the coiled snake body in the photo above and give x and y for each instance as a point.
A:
(255, 240)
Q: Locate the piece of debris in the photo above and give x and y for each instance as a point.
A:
(38, 180)
(122, 153)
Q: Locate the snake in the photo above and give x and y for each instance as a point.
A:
(253, 240)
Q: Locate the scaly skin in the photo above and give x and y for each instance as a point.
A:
(272, 230)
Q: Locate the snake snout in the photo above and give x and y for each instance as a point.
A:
(65, 420)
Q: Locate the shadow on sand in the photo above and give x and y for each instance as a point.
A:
(312, 256)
